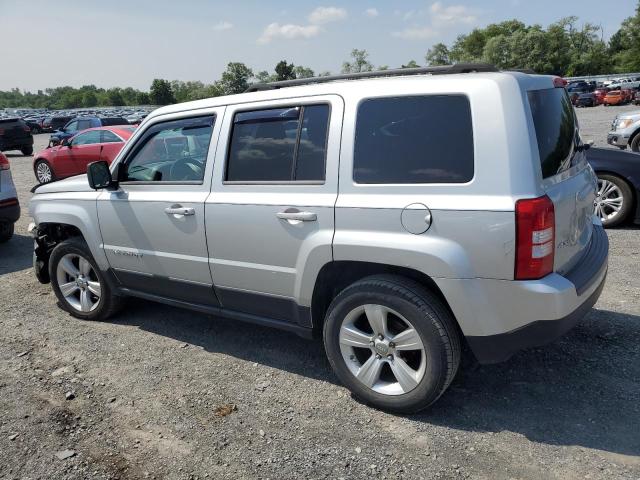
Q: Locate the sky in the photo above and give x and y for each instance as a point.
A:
(130, 42)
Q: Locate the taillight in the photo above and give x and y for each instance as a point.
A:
(559, 82)
(535, 238)
(4, 163)
(1, 131)
(27, 128)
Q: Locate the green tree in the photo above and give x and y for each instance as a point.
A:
(625, 44)
(265, 77)
(359, 62)
(114, 97)
(89, 99)
(235, 79)
(161, 92)
(285, 71)
(303, 72)
(410, 64)
(438, 54)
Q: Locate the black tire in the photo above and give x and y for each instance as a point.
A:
(27, 151)
(43, 163)
(627, 200)
(6, 232)
(109, 303)
(426, 314)
(635, 143)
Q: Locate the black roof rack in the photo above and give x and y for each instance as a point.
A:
(439, 70)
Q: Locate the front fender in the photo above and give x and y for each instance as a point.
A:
(77, 209)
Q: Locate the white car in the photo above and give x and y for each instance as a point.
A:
(9, 205)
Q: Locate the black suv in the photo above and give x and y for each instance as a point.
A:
(15, 134)
(51, 124)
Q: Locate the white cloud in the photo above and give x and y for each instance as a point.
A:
(221, 26)
(451, 14)
(416, 33)
(327, 14)
(438, 18)
(371, 12)
(288, 32)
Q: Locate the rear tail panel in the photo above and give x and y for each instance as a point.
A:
(568, 180)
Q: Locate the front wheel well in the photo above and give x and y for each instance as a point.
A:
(338, 275)
(47, 237)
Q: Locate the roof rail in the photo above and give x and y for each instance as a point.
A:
(398, 72)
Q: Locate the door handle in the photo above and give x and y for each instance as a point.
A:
(297, 216)
(177, 210)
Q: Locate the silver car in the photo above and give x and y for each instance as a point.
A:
(625, 131)
(398, 215)
(9, 205)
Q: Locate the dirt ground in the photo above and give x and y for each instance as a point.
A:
(163, 393)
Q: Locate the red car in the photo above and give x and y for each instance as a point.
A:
(600, 94)
(73, 156)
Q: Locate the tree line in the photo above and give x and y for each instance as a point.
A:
(564, 48)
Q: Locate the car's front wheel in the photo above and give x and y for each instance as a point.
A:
(80, 286)
(392, 343)
(27, 151)
(43, 171)
(614, 200)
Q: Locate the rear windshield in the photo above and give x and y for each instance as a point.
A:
(556, 132)
(10, 121)
(113, 121)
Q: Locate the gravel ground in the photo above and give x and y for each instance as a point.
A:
(164, 393)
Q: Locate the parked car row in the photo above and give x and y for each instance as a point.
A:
(591, 94)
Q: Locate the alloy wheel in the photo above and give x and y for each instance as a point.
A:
(78, 283)
(382, 349)
(44, 173)
(609, 199)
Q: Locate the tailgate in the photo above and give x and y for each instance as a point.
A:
(13, 129)
(573, 204)
(568, 180)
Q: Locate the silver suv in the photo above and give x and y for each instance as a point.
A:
(625, 131)
(402, 216)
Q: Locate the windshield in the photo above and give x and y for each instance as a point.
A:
(556, 129)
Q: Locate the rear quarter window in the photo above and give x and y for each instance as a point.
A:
(555, 127)
(414, 139)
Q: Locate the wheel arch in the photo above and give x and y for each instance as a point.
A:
(58, 220)
(337, 275)
(634, 135)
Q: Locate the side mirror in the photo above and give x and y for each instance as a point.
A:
(66, 142)
(99, 175)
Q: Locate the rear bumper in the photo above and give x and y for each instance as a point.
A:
(9, 213)
(501, 317)
(15, 143)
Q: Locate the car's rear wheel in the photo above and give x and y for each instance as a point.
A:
(27, 150)
(43, 171)
(614, 200)
(6, 232)
(79, 285)
(392, 343)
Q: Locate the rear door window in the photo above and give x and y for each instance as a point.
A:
(110, 137)
(555, 125)
(414, 139)
(279, 145)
